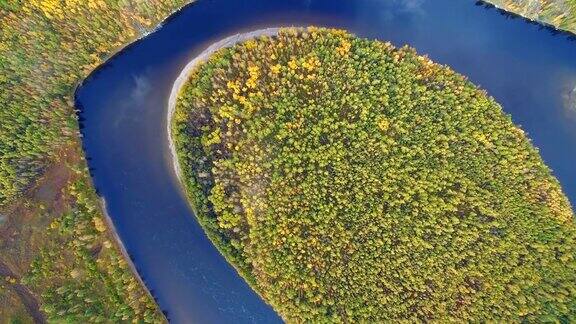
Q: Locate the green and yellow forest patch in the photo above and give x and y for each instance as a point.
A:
(349, 180)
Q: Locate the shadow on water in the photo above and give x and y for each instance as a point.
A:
(122, 116)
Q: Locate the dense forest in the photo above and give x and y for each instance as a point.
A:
(79, 273)
(46, 48)
(558, 13)
(58, 262)
(352, 181)
(55, 251)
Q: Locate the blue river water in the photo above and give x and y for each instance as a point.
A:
(529, 70)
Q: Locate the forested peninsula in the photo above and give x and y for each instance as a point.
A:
(560, 14)
(352, 181)
(58, 260)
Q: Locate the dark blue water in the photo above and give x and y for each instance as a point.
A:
(123, 110)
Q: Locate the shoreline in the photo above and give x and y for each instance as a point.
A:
(531, 20)
(126, 256)
(111, 228)
(175, 91)
(185, 73)
(125, 45)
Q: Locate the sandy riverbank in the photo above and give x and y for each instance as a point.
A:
(183, 77)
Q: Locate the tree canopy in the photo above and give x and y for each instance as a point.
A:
(46, 48)
(61, 249)
(560, 14)
(349, 180)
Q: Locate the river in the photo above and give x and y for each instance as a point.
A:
(123, 109)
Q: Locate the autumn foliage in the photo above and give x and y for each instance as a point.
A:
(349, 180)
(46, 48)
(558, 13)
